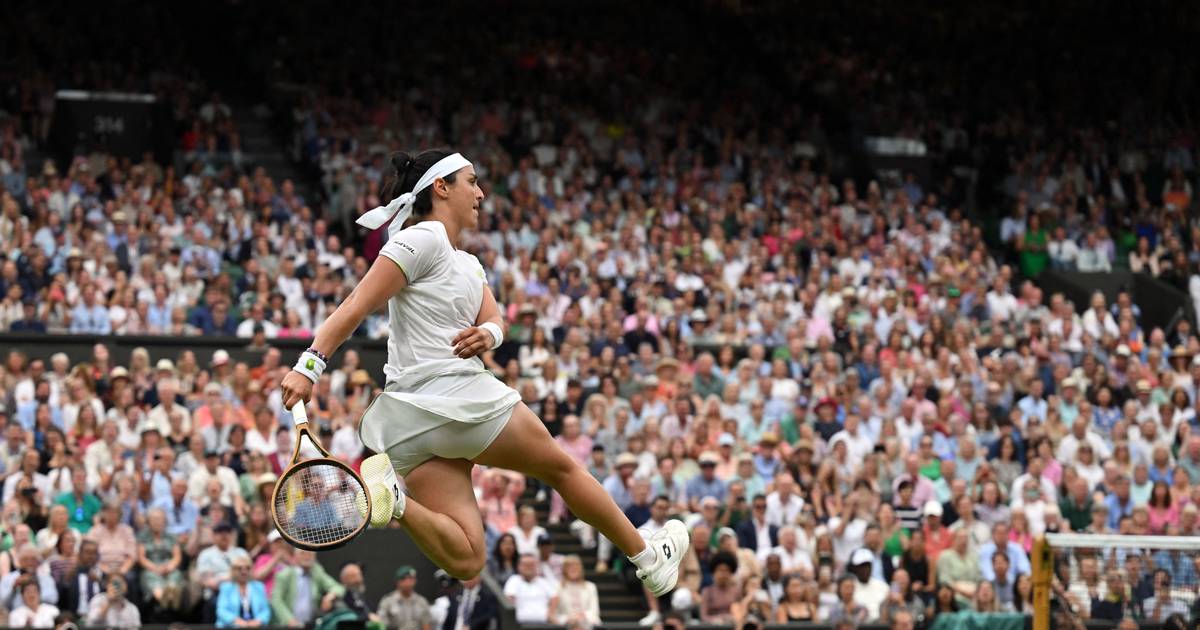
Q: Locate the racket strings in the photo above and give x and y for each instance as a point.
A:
(320, 504)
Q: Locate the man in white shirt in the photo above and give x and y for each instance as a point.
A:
(858, 445)
(790, 553)
(1097, 321)
(257, 318)
(1001, 302)
(198, 482)
(30, 461)
(1091, 257)
(1036, 465)
(534, 597)
(783, 504)
(870, 592)
(1080, 435)
(160, 416)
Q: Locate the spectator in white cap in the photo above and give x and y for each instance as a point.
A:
(726, 462)
(159, 416)
(869, 592)
(938, 537)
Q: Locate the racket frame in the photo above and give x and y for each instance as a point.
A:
(300, 416)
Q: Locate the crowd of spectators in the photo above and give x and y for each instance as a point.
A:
(852, 390)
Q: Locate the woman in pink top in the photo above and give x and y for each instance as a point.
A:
(274, 558)
(1163, 510)
(579, 446)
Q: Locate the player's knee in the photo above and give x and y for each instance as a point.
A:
(466, 568)
(556, 471)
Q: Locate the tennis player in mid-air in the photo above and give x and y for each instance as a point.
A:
(441, 411)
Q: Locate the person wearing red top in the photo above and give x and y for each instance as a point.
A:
(938, 537)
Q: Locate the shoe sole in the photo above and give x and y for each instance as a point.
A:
(380, 477)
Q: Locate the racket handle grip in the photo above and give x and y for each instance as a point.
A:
(299, 414)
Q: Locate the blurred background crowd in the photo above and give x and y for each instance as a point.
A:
(845, 377)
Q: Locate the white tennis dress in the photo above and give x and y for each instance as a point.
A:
(434, 404)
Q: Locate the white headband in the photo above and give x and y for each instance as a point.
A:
(401, 206)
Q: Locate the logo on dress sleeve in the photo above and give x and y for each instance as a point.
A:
(407, 247)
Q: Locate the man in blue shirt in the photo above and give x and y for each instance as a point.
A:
(181, 512)
(706, 483)
(1018, 562)
(619, 485)
(89, 317)
(1034, 405)
(1119, 503)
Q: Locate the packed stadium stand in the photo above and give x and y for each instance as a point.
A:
(869, 297)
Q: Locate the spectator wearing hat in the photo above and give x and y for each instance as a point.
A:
(275, 557)
(726, 462)
(869, 591)
(938, 537)
(706, 484)
(745, 473)
(213, 565)
(766, 459)
(160, 416)
(212, 470)
(827, 423)
(619, 483)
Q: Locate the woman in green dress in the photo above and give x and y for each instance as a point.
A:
(1033, 246)
(159, 556)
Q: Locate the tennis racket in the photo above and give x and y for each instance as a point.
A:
(318, 503)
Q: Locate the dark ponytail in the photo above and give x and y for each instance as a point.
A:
(407, 171)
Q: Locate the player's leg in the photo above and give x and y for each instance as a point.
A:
(526, 447)
(441, 515)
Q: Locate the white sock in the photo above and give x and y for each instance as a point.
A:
(645, 558)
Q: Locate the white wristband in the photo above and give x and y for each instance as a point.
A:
(311, 366)
(497, 334)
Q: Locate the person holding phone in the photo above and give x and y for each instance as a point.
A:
(111, 608)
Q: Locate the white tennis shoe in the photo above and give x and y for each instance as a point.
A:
(669, 545)
(387, 500)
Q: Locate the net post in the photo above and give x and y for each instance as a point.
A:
(1043, 571)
